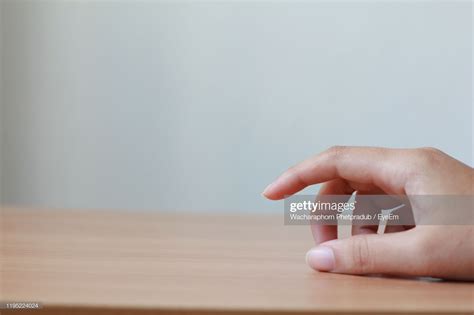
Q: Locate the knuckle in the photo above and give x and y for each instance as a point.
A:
(361, 257)
(421, 162)
(336, 151)
(296, 175)
(428, 155)
(431, 150)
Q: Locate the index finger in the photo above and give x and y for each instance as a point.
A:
(382, 167)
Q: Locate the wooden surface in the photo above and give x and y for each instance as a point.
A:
(123, 263)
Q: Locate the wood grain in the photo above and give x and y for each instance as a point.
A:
(83, 262)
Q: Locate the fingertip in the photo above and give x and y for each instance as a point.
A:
(269, 192)
(270, 196)
(321, 258)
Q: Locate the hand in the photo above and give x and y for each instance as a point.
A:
(445, 251)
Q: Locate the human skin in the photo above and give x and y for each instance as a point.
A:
(443, 251)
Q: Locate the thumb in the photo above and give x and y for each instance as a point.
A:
(393, 253)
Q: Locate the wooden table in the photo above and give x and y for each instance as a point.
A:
(80, 262)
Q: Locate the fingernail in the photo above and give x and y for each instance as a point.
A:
(267, 189)
(321, 258)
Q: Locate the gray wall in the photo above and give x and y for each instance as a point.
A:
(193, 105)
